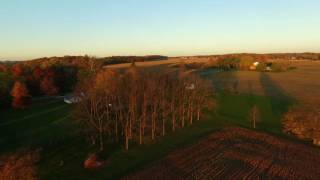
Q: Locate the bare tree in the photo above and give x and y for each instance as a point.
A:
(254, 115)
(135, 103)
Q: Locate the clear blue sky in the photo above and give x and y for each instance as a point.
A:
(36, 28)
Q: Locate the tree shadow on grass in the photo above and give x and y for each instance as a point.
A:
(279, 101)
(222, 81)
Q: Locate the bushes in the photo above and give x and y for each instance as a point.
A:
(228, 63)
(261, 66)
(235, 63)
(19, 165)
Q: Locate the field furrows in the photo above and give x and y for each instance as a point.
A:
(235, 153)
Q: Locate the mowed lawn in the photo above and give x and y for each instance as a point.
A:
(48, 125)
(41, 123)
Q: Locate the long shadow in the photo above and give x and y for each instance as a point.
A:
(278, 99)
(222, 81)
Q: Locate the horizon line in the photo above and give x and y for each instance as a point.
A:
(170, 56)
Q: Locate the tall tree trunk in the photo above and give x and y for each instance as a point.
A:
(191, 114)
(163, 126)
(152, 126)
(198, 114)
(101, 140)
(183, 118)
(127, 137)
(140, 131)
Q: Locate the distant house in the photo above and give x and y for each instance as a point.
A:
(268, 68)
(191, 87)
(254, 66)
(70, 99)
(316, 142)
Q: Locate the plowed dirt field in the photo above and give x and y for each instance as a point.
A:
(236, 153)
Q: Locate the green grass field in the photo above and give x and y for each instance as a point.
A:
(48, 126)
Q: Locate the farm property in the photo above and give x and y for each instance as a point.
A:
(47, 125)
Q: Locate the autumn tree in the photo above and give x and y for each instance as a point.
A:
(20, 95)
(3, 68)
(17, 70)
(246, 62)
(38, 72)
(135, 104)
(48, 87)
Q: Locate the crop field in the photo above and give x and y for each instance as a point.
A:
(301, 84)
(235, 152)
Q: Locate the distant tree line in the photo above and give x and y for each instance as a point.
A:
(135, 105)
(235, 63)
(20, 82)
(274, 56)
(49, 76)
(130, 59)
(247, 62)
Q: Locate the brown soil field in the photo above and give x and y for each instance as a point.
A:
(302, 84)
(236, 153)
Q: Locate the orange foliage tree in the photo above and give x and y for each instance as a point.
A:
(20, 95)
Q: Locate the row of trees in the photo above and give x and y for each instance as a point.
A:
(138, 105)
(247, 63)
(233, 63)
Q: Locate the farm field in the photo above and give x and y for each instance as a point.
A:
(48, 126)
(233, 153)
(301, 84)
(170, 61)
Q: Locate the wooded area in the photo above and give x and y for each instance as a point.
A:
(137, 104)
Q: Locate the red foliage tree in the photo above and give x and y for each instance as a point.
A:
(48, 87)
(17, 70)
(38, 72)
(20, 95)
(3, 68)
